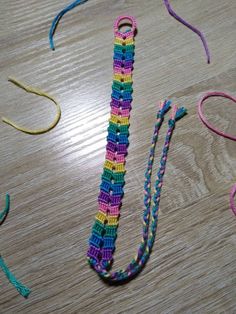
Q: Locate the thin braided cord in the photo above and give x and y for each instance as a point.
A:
(147, 242)
(217, 131)
(23, 290)
(38, 92)
(194, 29)
(58, 17)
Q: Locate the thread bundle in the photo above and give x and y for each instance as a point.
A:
(104, 231)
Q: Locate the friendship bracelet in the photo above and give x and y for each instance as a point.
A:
(217, 131)
(23, 290)
(194, 29)
(104, 231)
(111, 189)
(38, 92)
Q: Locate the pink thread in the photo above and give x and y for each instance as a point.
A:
(117, 24)
(173, 113)
(203, 118)
(232, 195)
(217, 131)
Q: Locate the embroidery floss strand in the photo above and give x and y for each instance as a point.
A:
(58, 17)
(38, 92)
(232, 195)
(23, 290)
(5, 211)
(194, 29)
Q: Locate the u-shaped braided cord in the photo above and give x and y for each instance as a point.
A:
(217, 131)
(38, 92)
(58, 17)
(150, 216)
(194, 29)
(23, 290)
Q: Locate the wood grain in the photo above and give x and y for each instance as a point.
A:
(54, 178)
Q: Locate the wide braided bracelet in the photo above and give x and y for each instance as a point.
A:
(104, 232)
(102, 241)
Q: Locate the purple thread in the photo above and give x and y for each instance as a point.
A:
(194, 29)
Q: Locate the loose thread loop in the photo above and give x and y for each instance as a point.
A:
(194, 29)
(58, 17)
(38, 92)
(217, 131)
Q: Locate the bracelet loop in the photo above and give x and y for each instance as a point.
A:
(125, 19)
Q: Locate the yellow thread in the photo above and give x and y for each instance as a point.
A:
(120, 168)
(101, 217)
(108, 165)
(112, 221)
(121, 120)
(125, 77)
(127, 41)
(38, 92)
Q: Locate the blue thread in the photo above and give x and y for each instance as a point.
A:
(180, 113)
(58, 17)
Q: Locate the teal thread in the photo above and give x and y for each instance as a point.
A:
(23, 290)
(5, 211)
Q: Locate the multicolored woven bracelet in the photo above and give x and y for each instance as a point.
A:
(104, 231)
(111, 189)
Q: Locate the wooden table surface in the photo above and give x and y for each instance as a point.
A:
(53, 179)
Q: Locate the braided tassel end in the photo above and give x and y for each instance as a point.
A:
(178, 113)
(164, 107)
